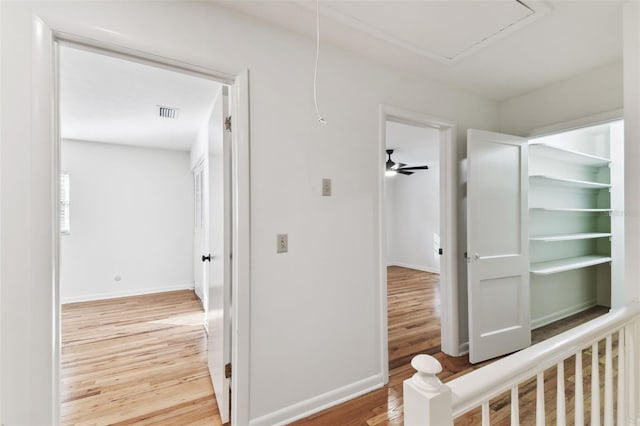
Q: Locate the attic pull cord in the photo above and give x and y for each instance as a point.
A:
(315, 72)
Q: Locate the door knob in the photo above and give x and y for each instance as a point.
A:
(207, 257)
(476, 256)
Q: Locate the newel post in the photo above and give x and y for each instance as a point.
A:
(427, 402)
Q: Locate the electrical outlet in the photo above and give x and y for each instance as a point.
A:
(283, 243)
(326, 187)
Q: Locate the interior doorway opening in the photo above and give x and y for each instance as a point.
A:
(413, 246)
(418, 234)
(131, 135)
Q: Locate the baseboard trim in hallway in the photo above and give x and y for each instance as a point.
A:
(126, 293)
(319, 403)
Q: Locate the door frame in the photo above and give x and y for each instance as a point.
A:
(448, 225)
(204, 299)
(46, 66)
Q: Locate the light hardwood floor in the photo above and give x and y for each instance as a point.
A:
(414, 327)
(142, 360)
(136, 360)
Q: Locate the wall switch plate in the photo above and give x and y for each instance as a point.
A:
(326, 187)
(283, 243)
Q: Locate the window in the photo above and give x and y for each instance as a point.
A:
(64, 203)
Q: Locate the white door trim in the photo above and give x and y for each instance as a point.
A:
(448, 223)
(46, 64)
(564, 126)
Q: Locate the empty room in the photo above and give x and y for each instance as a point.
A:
(138, 239)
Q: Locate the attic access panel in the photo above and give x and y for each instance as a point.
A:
(442, 30)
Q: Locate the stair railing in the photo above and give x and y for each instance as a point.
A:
(616, 335)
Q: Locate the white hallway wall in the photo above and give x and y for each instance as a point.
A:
(593, 92)
(131, 216)
(329, 346)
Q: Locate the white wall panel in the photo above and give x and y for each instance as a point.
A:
(131, 221)
(314, 306)
(593, 92)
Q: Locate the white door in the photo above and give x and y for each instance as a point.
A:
(219, 272)
(497, 244)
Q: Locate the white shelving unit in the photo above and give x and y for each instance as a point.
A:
(569, 237)
(570, 222)
(569, 183)
(569, 210)
(569, 264)
(564, 154)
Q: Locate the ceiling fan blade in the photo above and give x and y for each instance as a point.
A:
(414, 168)
(403, 172)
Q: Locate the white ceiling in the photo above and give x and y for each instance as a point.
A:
(415, 146)
(111, 100)
(496, 48)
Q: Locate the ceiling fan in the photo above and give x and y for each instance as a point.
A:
(392, 167)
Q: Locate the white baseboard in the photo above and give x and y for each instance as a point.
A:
(124, 293)
(318, 403)
(198, 292)
(463, 349)
(416, 267)
(547, 319)
(558, 315)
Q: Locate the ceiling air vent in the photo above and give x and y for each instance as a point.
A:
(167, 112)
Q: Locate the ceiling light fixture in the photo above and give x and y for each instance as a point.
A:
(392, 168)
(315, 72)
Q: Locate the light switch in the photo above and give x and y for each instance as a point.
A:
(283, 243)
(326, 187)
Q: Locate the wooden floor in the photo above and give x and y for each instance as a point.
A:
(414, 327)
(136, 360)
(142, 360)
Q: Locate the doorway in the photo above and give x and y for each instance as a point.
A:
(412, 203)
(418, 240)
(129, 208)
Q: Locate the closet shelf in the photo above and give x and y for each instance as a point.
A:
(569, 237)
(569, 155)
(562, 265)
(570, 210)
(569, 183)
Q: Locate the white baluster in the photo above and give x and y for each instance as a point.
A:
(560, 405)
(635, 372)
(579, 399)
(540, 420)
(608, 383)
(427, 402)
(631, 371)
(621, 377)
(595, 387)
(485, 414)
(515, 407)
